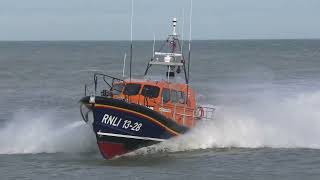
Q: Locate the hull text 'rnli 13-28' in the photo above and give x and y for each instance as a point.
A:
(134, 113)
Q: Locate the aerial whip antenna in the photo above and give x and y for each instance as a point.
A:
(189, 54)
(124, 64)
(154, 43)
(182, 33)
(190, 33)
(131, 39)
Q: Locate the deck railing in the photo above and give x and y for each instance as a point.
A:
(208, 113)
(184, 112)
(108, 80)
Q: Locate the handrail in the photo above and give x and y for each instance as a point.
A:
(96, 75)
(104, 78)
(101, 74)
(175, 112)
(208, 113)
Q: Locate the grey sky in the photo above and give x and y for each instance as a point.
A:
(110, 19)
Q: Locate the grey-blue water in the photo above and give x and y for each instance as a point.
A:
(267, 124)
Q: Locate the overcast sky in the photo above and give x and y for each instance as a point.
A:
(110, 19)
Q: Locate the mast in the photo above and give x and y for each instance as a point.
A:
(124, 64)
(130, 66)
(182, 31)
(154, 43)
(189, 53)
(190, 33)
(169, 55)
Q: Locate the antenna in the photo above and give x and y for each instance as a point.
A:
(131, 37)
(190, 32)
(189, 55)
(124, 64)
(154, 43)
(182, 33)
(174, 22)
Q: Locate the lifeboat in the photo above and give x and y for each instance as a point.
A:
(132, 113)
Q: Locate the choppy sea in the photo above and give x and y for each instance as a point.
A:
(266, 126)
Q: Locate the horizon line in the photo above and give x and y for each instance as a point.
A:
(226, 39)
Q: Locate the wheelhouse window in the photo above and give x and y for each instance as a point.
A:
(165, 95)
(174, 96)
(181, 97)
(117, 88)
(150, 91)
(132, 89)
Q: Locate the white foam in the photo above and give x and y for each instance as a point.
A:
(41, 132)
(268, 122)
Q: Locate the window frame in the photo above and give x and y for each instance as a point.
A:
(169, 95)
(155, 87)
(136, 92)
(174, 96)
(113, 89)
(181, 97)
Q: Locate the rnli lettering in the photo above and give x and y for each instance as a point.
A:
(116, 121)
(111, 120)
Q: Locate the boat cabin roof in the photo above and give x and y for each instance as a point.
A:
(160, 84)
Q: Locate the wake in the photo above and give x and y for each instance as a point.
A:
(268, 122)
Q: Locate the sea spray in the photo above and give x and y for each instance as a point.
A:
(40, 132)
(291, 122)
(269, 121)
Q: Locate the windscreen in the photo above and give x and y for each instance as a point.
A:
(132, 89)
(150, 91)
(117, 88)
